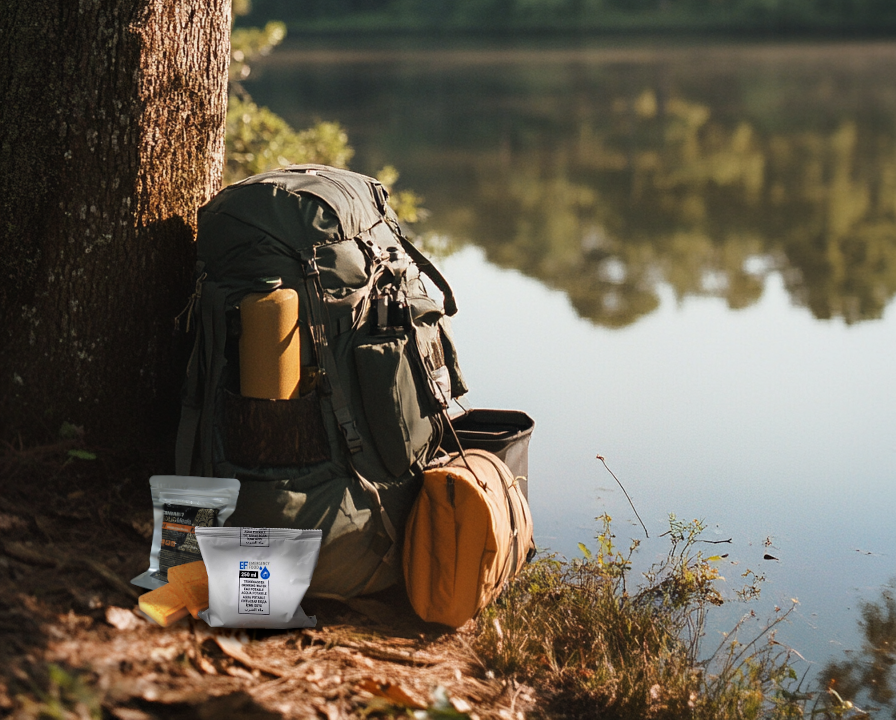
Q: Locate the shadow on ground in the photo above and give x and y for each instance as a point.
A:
(73, 531)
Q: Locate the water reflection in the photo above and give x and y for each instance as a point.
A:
(870, 674)
(662, 189)
(606, 174)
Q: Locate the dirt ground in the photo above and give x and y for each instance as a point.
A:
(73, 531)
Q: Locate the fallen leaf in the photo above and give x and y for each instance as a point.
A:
(12, 522)
(239, 672)
(142, 527)
(206, 666)
(121, 619)
(233, 646)
(125, 713)
(164, 654)
(394, 693)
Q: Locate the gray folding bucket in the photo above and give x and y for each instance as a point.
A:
(505, 433)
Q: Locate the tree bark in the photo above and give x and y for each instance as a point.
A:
(111, 136)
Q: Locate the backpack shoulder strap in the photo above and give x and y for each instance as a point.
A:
(431, 271)
(203, 373)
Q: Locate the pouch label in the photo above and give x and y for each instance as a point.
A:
(255, 592)
(254, 537)
(179, 544)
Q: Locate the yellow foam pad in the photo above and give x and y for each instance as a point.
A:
(190, 582)
(163, 605)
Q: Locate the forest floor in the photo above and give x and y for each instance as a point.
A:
(73, 531)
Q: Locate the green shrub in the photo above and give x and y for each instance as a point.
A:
(260, 140)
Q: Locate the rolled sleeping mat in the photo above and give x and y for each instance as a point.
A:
(270, 358)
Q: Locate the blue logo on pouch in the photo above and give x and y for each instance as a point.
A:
(265, 574)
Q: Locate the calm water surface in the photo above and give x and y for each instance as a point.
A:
(681, 258)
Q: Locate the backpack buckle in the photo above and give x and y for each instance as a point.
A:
(380, 196)
(309, 263)
(390, 315)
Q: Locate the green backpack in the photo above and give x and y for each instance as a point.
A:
(378, 367)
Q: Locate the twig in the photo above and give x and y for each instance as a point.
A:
(601, 458)
(519, 689)
(708, 542)
(399, 656)
(56, 558)
(110, 577)
(28, 555)
(13, 453)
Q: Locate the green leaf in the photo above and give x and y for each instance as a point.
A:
(68, 431)
(82, 454)
(585, 551)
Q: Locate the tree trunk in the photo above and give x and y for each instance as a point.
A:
(111, 135)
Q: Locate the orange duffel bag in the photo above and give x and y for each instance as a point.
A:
(468, 533)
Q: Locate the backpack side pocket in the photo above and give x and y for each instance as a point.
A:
(391, 403)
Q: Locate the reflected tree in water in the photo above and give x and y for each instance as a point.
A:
(606, 177)
(660, 191)
(870, 674)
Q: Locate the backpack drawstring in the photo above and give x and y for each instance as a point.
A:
(191, 303)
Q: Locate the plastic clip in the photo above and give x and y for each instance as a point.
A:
(308, 259)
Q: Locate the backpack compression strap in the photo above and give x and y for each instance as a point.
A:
(316, 312)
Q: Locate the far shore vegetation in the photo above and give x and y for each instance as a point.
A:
(793, 17)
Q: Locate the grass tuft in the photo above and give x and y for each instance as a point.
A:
(575, 631)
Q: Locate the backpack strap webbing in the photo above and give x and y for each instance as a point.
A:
(190, 413)
(316, 315)
(432, 272)
(511, 562)
(203, 374)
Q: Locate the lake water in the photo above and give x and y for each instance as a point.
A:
(680, 257)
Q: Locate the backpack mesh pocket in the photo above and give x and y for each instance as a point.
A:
(277, 433)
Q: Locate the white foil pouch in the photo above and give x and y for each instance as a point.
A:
(181, 503)
(258, 576)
